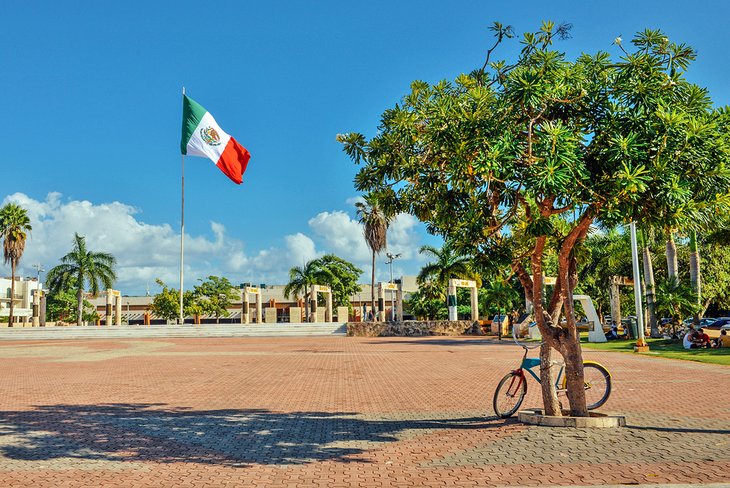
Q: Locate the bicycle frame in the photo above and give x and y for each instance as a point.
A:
(528, 364)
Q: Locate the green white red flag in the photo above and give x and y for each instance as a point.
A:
(202, 136)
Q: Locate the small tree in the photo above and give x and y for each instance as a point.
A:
(214, 295)
(166, 303)
(341, 276)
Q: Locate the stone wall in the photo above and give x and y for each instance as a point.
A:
(413, 328)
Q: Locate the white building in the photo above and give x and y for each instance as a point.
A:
(22, 300)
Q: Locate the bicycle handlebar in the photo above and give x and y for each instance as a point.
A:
(525, 346)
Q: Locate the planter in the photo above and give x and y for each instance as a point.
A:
(596, 420)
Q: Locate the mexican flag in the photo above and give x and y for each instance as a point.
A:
(202, 136)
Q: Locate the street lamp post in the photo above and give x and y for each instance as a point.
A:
(641, 345)
(391, 258)
(39, 268)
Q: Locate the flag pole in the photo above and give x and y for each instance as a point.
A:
(182, 232)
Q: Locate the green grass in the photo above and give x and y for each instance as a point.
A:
(664, 348)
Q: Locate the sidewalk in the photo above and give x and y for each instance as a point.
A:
(337, 411)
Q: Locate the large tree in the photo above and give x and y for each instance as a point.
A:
(375, 220)
(14, 228)
(79, 268)
(519, 157)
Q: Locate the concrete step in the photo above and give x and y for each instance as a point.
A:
(140, 331)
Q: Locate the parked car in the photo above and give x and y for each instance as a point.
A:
(717, 324)
(707, 321)
(704, 322)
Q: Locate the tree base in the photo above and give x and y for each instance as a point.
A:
(596, 420)
(644, 348)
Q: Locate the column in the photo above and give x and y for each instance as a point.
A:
(36, 309)
(118, 310)
(109, 298)
(259, 309)
(474, 304)
(313, 305)
(381, 303)
(244, 308)
(399, 303)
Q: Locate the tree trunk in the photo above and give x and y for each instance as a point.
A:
(694, 269)
(571, 351)
(372, 290)
(671, 257)
(11, 312)
(650, 287)
(80, 307)
(550, 401)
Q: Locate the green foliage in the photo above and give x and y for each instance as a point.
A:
(675, 299)
(329, 270)
(213, 296)
(715, 276)
(500, 296)
(425, 306)
(341, 277)
(449, 264)
(166, 304)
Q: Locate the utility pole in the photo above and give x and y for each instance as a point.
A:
(391, 258)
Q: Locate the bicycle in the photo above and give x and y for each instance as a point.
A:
(512, 389)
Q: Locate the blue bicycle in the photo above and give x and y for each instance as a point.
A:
(512, 388)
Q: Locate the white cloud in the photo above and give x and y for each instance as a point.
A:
(145, 251)
(341, 234)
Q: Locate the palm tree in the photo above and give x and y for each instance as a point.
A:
(301, 278)
(14, 226)
(449, 264)
(81, 266)
(375, 222)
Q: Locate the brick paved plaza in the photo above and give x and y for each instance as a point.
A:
(338, 412)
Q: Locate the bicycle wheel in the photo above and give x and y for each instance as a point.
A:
(509, 395)
(597, 382)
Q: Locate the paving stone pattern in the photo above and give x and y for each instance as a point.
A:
(337, 412)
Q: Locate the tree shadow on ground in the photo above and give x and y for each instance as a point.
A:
(681, 430)
(229, 437)
(432, 341)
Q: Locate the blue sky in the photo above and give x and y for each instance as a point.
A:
(91, 92)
